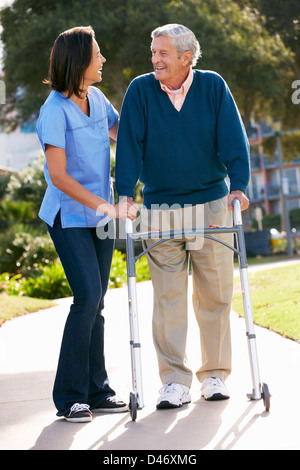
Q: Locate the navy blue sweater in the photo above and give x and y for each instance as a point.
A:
(181, 157)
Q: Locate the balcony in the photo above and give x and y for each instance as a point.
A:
(255, 162)
(273, 191)
(270, 162)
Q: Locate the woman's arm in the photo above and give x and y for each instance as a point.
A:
(57, 163)
(114, 131)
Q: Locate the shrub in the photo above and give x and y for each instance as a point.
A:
(295, 218)
(272, 221)
(118, 271)
(12, 211)
(50, 284)
(9, 285)
(23, 252)
(118, 274)
(49, 281)
(4, 179)
(142, 270)
(29, 184)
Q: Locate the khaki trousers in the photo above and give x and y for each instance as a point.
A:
(212, 271)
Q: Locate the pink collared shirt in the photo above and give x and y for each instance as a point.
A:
(177, 98)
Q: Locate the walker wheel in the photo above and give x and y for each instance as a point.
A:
(266, 396)
(132, 406)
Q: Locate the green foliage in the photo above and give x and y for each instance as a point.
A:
(272, 221)
(22, 251)
(295, 218)
(28, 260)
(22, 211)
(48, 281)
(29, 184)
(9, 284)
(269, 144)
(118, 270)
(234, 40)
(50, 284)
(281, 19)
(4, 179)
(118, 274)
(20, 205)
(290, 143)
(24, 241)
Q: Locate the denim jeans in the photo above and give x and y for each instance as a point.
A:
(81, 375)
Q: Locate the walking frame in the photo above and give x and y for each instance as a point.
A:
(136, 401)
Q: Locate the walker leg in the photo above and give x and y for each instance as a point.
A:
(136, 396)
(251, 337)
(257, 392)
(135, 344)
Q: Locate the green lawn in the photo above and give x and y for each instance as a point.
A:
(275, 298)
(12, 306)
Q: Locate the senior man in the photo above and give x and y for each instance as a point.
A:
(181, 135)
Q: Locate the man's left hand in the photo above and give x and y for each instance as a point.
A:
(241, 196)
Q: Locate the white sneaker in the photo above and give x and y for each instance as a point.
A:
(173, 395)
(214, 389)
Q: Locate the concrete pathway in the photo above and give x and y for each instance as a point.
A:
(29, 348)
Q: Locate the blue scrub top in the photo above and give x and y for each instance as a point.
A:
(85, 140)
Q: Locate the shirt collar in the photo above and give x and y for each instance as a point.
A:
(184, 87)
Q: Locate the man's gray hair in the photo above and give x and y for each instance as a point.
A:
(184, 39)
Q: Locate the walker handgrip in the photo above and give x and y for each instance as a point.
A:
(237, 212)
(128, 226)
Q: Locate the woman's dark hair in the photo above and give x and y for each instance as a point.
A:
(70, 56)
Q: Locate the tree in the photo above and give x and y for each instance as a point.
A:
(234, 40)
(282, 19)
(236, 43)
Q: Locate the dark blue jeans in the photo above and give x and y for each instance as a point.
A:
(81, 374)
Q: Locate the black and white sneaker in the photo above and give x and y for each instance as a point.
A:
(214, 389)
(79, 413)
(112, 404)
(173, 395)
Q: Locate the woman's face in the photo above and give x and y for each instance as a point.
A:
(93, 73)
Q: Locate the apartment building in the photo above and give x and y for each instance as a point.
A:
(264, 187)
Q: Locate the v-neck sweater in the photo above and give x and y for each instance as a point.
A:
(182, 157)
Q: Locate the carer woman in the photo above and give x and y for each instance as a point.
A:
(74, 127)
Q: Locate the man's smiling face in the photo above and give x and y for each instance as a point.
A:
(169, 69)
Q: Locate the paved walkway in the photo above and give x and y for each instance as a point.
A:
(29, 348)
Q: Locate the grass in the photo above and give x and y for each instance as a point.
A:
(12, 306)
(253, 260)
(275, 298)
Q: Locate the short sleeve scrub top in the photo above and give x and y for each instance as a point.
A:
(85, 140)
